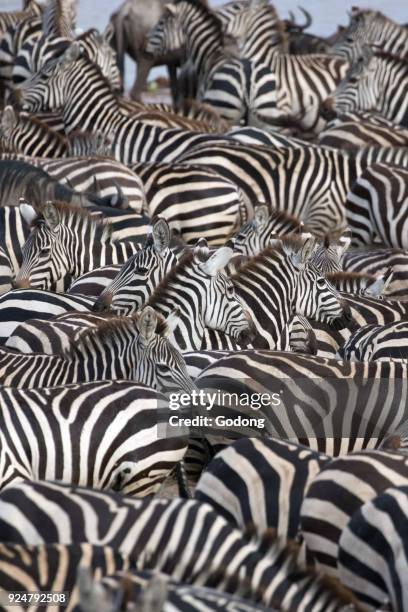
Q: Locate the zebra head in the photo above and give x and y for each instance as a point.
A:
(315, 298)
(63, 237)
(167, 36)
(256, 235)
(141, 273)
(205, 297)
(46, 90)
(156, 360)
(98, 48)
(359, 90)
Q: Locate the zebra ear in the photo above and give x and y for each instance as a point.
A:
(217, 261)
(201, 248)
(161, 234)
(72, 54)
(146, 323)
(377, 288)
(343, 242)
(8, 118)
(51, 216)
(28, 212)
(261, 216)
(109, 33)
(170, 9)
(300, 257)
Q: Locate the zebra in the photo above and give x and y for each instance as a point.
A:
(376, 574)
(376, 261)
(150, 589)
(52, 336)
(204, 297)
(92, 283)
(99, 434)
(331, 406)
(361, 129)
(365, 310)
(22, 133)
(140, 274)
(6, 272)
(257, 234)
(377, 206)
(13, 18)
(19, 179)
(338, 492)
(197, 202)
(156, 533)
(302, 82)
(260, 484)
(54, 567)
(357, 283)
(67, 241)
(285, 282)
(368, 27)
(376, 82)
(377, 342)
(111, 180)
(36, 53)
(125, 348)
(233, 87)
(19, 305)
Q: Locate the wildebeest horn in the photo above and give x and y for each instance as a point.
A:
(308, 17)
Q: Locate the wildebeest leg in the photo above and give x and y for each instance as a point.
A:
(172, 70)
(144, 65)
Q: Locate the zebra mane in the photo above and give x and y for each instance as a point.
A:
(185, 261)
(349, 276)
(389, 56)
(283, 215)
(102, 228)
(108, 329)
(291, 241)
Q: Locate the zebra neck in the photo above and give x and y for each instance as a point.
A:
(204, 41)
(100, 111)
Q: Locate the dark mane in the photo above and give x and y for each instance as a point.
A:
(349, 276)
(107, 329)
(185, 261)
(390, 57)
(291, 241)
(25, 117)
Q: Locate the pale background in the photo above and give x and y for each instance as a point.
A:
(327, 14)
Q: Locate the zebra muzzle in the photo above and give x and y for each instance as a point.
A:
(248, 335)
(327, 111)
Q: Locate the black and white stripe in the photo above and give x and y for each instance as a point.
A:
(373, 555)
(272, 577)
(378, 342)
(99, 434)
(338, 492)
(119, 348)
(260, 484)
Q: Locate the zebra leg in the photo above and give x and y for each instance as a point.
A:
(172, 70)
(144, 65)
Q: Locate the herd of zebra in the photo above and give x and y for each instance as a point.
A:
(248, 245)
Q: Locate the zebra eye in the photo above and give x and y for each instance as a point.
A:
(141, 271)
